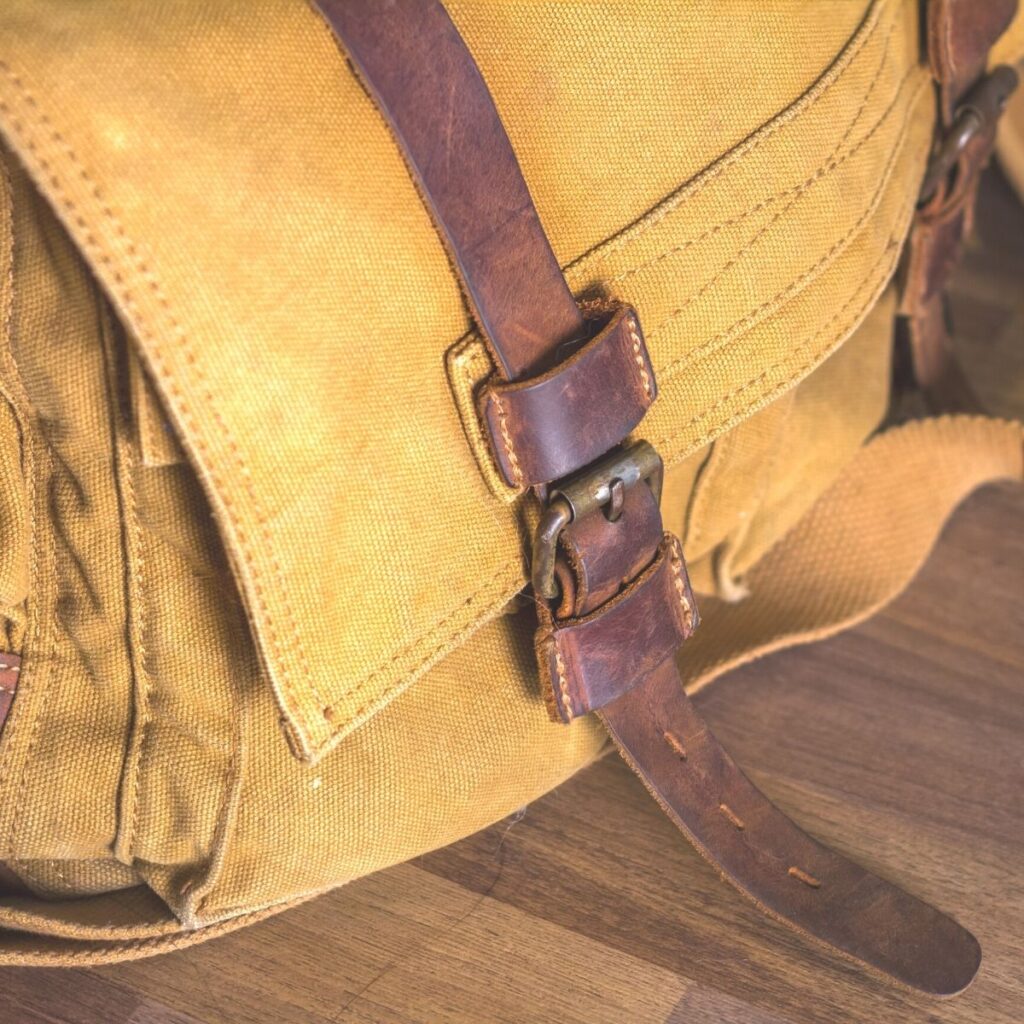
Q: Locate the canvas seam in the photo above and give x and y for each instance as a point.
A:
(781, 362)
(422, 641)
(784, 384)
(750, 318)
(796, 110)
(825, 168)
(143, 270)
(125, 469)
(233, 787)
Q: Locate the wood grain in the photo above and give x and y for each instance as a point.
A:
(901, 743)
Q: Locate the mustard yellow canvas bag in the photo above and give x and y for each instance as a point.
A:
(390, 390)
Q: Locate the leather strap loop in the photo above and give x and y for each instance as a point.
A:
(960, 34)
(589, 662)
(599, 555)
(547, 427)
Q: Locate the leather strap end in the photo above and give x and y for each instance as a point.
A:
(786, 872)
(590, 661)
(546, 427)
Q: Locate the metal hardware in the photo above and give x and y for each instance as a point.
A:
(978, 113)
(602, 485)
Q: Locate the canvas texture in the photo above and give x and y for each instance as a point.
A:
(256, 557)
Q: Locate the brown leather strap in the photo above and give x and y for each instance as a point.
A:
(960, 34)
(415, 65)
(591, 661)
(626, 601)
(618, 659)
(753, 845)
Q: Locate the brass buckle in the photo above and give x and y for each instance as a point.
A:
(602, 485)
(978, 112)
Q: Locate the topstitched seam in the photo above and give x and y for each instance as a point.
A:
(792, 287)
(797, 373)
(796, 110)
(506, 438)
(676, 561)
(161, 367)
(563, 683)
(831, 162)
(638, 356)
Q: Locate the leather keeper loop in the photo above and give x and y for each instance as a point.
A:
(546, 427)
(589, 662)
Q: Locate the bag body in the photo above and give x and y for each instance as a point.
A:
(260, 560)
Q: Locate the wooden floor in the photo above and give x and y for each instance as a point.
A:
(900, 743)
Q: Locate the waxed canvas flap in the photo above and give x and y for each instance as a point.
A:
(240, 200)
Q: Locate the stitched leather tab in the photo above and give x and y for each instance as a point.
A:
(589, 662)
(549, 426)
(10, 672)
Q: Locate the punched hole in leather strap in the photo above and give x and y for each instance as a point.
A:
(548, 426)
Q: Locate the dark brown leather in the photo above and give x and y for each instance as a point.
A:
(588, 662)
(960, 34)
(626, 611)
(10, 672)
(753, 845)
(413, 62)
(598, 556)
(545, 427)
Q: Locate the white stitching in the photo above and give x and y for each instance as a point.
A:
(677, 573)
(634, 334)
(506, 437)
(563, 684)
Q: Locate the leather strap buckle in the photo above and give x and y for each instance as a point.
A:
(601, 485)
(974, 117)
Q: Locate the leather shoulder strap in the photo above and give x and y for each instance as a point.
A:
(608, 645)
